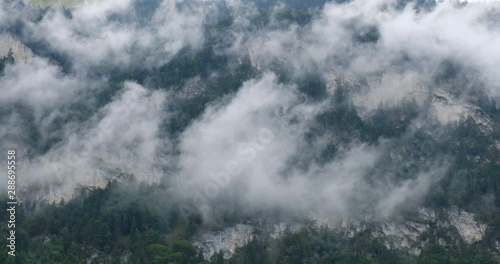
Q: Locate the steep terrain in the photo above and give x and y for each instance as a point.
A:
(226, 132)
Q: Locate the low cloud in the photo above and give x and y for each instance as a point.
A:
(238, 158)
(250, 149)
(120, 141)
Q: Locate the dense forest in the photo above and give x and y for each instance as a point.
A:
(130, 221)
(104, 226)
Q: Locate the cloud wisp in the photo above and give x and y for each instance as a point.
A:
(251, 149)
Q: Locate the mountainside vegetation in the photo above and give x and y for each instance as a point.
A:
(388, 161)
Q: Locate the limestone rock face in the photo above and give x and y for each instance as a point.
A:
(19, 50)
(227, 240)
(57, 3)
(470, 230)
(406, 235)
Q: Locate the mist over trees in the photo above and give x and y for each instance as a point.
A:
(145, 123)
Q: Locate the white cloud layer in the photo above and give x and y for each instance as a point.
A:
(242, 151)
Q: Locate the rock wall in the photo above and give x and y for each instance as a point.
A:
(404, 235)
(19, 50)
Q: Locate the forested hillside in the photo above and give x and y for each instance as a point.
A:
(229, 132)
